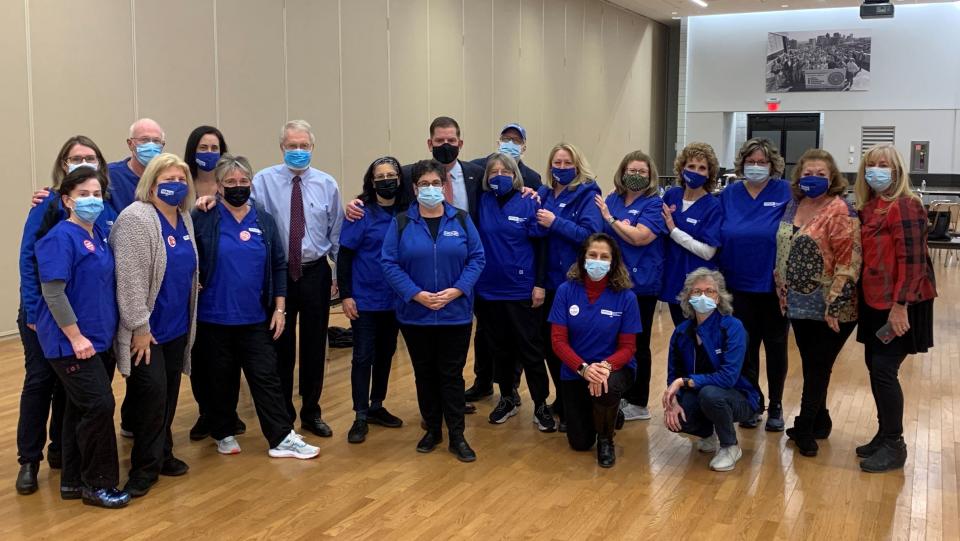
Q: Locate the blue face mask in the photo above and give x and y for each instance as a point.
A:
(147, 152)
(813, 186)
(207, 161)
(693, 179)
(297, 159)
(596, 268)
(703, 304)
(430, 196)
(88, 208)
(502, 184)
(879, 178)
(510, 149)
(756, 173)
(563, 176)
(172, 193)
(71, 167)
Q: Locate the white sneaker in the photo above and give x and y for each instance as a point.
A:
(228, 446)
(633, 412)
(293, 446)
(726, 458)
(710, 444)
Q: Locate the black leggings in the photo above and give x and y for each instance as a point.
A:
(592, 417)
(819, 347)
(639, 393)
(887, 394)
(765, 323)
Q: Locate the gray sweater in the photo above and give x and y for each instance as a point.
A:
(141, 257)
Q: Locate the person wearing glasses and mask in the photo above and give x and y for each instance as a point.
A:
(513, 143)
(145, 142)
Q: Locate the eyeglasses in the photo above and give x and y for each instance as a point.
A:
(425, 183)
(382, 178)
(761, 163)
(636, 172)
(233, 182)
(77, 160)
(295, 146)
(511, 139)
(697, 292)
(145, 140)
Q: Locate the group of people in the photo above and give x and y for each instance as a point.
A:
(158, 266)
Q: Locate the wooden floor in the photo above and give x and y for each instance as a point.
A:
(531, 485)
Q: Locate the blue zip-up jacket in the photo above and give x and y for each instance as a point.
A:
(725, 341)
(416, 263)
(577, 217)
(30, 295)
(508, 235)
(206, 231)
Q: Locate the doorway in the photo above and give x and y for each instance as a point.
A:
(794, 133)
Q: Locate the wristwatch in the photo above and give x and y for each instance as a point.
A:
(687, 382)
(582, 369)
(611, 220)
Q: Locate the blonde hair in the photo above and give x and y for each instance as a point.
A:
(900, 184)
(156, 166)
(507, 162)
(701, 151)
(772, 153)
(584, 174)
(636, 156)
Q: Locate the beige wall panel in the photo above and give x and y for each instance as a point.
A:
(556, 87)
(614, 130)
(313, 87)
(446, 65)
(364, 64)
(573, 86)
(658, 87)
(409, 80)
(176, 76)
(478, 53)
(506, 61)
(252, 97)
(531, 87)
(82, 66)
(591, 110)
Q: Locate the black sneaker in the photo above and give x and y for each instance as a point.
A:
(429, 442)
(174, 467)
(562, 427)
(109, 498)
(774, 418)
(382, 417)
(200, 430)
(516, 397)
(478, 392)
(71, 492)
(504, 410)
(138, 488)
(240, 428)
(358, 432)
(752, 422)
(890, 456)
(469, 408)
(544, 419)
(867, 450)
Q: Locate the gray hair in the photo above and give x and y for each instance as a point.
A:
(298, 125)
(503, 159)
(229, 163)
(724, 298)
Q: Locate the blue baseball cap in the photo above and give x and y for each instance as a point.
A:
(518, 127)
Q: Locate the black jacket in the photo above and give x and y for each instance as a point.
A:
(472, 179)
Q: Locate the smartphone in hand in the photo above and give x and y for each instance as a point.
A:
(885, 334)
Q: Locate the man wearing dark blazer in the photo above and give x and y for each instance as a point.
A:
(513, 143)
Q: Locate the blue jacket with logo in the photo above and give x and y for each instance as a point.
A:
(577, 217)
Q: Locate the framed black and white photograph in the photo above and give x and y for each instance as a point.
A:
(823, 61)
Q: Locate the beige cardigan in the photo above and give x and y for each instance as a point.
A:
(141, 257)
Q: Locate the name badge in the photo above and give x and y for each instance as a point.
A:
(561, 205)
(254, 230)
(186, 237)
(718, 351)
(634, 212)
(692, 221)
(610, 313)
(451, 233)
(770, 204)
(517, 219)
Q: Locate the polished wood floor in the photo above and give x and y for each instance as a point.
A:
(531, 485)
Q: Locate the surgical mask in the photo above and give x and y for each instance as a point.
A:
(172, 193)
(563, 176)
(236, 195)
(387, 188)
(596, 268)
(71, 167)
(879, 178)
(703, 304)
(430, 196)
(297, 159)
(693, 179)
(88, 208)
(510, 149)
(756, 173)
(147, 152)
(446, 153)
(814, 186)
(207, 161)
(636, 182)
(502, 184)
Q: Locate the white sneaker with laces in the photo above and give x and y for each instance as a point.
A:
(293, 446)
(633, 412)
(726, 458)
(710, 444)
(228, 446)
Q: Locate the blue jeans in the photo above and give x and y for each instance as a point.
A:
(712, 409)
(374, 343)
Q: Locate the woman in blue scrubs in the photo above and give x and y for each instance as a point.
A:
(157, 296)
(76, 325)
(205, 145)
(693, 216)
(570, 215)
(368, 301)
(752, 210)
(508, 293)
(633, 215)
(594, 319)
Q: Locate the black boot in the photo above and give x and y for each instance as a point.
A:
(891, 455)
(802, 435)
(867, 450)
(606, 453)
(822, 424)
(27, 478)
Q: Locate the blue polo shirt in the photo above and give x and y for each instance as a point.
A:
(749, 234)
(123, 185)
(644, 263)
(593, 329)
(370, 289)
(577, 217)
(701, 221)
(86, 264)
(171, 313)
(232, 293)
(508, 234)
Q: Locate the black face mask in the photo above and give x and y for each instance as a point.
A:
(387, 188)
(446, 153)
(236, 195)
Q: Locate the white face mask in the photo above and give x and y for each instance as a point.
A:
(756, 173)
(71, 167)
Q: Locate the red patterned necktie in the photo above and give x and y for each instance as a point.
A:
(297, 228)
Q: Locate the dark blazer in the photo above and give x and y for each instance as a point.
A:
(531, 179)
(472, 179)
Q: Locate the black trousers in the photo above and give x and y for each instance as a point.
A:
(514, 331)
(152, 392)
(248, 348)
(676, 314)
(887, 394)
(819, 347)
(42, 396)
(553, 362)
(374, 344)
(639, 393)
(89, 439)
(308, 298)
(438, 354)
(482, 356)
(761, 317)
(713, 408)
(592, 417)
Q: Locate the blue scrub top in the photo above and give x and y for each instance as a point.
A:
(508, 235)
(644, 263)
(123, 185)
(232, 293)
(701, 221)
(577, 217)
(86, 264)
(749, 235)
(593, 329)
(171, 313)
(370, 289)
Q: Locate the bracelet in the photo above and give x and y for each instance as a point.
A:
(607, 365)
(611, 220)
(279, 311)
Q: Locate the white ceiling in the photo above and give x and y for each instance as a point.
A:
(665, 10)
